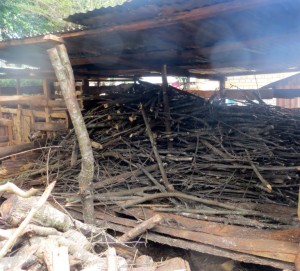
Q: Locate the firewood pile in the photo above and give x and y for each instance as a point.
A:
(222, 180)
(55, 241)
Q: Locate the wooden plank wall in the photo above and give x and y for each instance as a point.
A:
(43, 113)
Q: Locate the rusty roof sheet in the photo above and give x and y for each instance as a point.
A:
(135, 10)
(200, 38)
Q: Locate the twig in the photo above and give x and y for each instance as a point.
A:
(47, 166)
(12, 188)
(156, 183)
(26, 221)
(22, 152)
(166, 182)
(204, 201)
(214, 149)
(180, 195)
(259, 176)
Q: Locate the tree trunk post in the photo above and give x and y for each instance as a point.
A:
(64, 73)
(167, 114)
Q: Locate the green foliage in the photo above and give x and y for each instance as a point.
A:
(19, 22)
(31, 17)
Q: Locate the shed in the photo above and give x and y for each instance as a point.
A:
(205, 39)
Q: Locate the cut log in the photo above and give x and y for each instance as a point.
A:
(15, 209)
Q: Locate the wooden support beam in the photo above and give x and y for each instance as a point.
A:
(36, 113)
(49, 126)
(34, 100)
(166, 106)
(222, 87)
(34, 40)
(5, 122)
(53, 38)
(250, 94)
(47, 95)
(18, 123)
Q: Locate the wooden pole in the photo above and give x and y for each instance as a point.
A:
(64, 73)
(166, 106)
(47, 94)
(19, 122)
(222, 87)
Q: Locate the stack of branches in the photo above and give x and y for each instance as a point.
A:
(225, 160)
(183, 172)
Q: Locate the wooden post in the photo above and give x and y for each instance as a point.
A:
(79, 92)
(19, 122)
(222, 87)
(47, 95)
(166, 106)
(64, 73)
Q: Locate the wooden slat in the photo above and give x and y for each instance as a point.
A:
(272, 249)
(3, 139)
(50, 126)
(36, 113)
(292, 234)
(6, 122)
(35, 100)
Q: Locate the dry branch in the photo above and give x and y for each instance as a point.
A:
(141, 228)
(26, 221)
(12, 188)
(166, 182)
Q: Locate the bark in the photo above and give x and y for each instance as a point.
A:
(64, 73)
(15, 209)
(41, 201)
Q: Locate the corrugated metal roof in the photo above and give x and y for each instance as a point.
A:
(147, 8)
(42, 34)
(200, 37)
